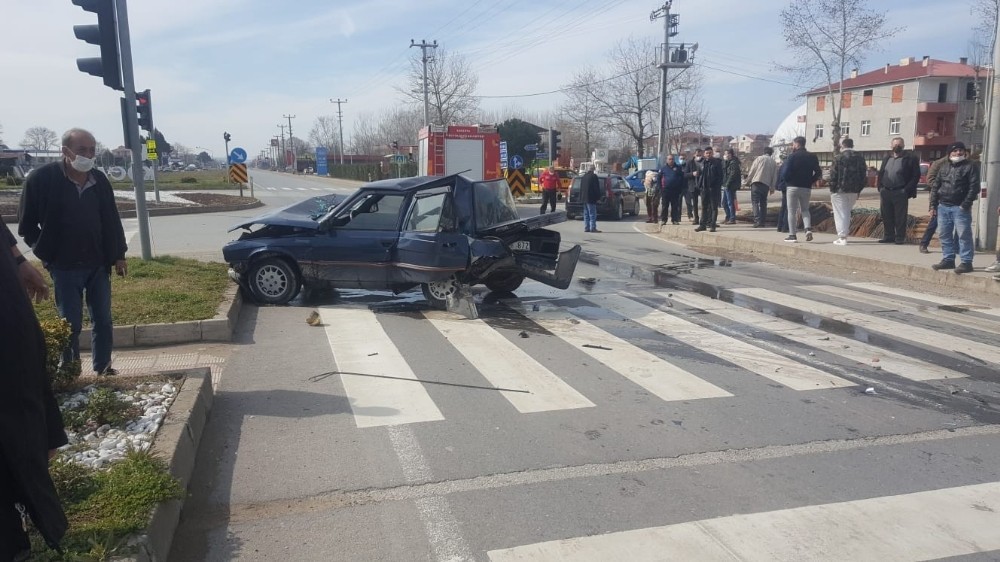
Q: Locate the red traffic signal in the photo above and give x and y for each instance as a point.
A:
(144, 106)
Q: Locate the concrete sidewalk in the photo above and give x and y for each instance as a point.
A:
(860, 254)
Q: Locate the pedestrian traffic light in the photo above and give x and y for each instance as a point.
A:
(144, 105)
(105, 34)
(227, 136)
(395, 145)
(556, 141)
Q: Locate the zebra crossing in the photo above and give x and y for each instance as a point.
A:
(384, 390)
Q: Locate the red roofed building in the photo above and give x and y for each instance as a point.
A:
(929, 103)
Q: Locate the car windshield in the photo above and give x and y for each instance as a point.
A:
(494, 204)
(316, 207)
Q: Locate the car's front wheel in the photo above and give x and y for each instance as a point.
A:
(437, 292)
(504, 282)
(273, 281)
(619, 210)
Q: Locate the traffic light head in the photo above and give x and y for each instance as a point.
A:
(144, 106)
(395, 145)
(556, 142)
(227, 136)
(104, 34)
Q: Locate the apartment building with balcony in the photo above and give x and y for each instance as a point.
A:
(929, 103)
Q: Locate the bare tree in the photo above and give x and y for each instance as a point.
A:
(299, 146)
(827, 39)
(582, 108)
(325, 132)
(686, 107)
(365, 139)
(400, 124)
(627, 99)
(985, 12)
(39, 138)
(451, 86)
(1, 137)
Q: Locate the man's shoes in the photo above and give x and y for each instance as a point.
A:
(993, 268)
(924, 250)
(809, 236)
(964, 267)
(791, 238)
(899, 242)
(108, 372)
(944, 264)
(675, 223)
(700, 228)
(712, 229)
(840, 242)
(664, 223)
(586, 230)
(996, 277)
(595, 230)
(886, 241)
(758, 226)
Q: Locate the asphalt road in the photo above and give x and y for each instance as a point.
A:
(677, 407)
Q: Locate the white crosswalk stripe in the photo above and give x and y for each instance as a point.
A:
(860, 352)
(919, 526)
(898, 330)
(877, 287)
(371, 368)
(507, 366)
(750, 357)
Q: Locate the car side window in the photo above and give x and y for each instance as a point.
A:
(432, 213)
(377, 211)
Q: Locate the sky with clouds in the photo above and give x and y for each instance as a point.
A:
(240, 65)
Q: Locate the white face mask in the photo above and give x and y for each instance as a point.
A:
(957, 159)
(82, 163)
(697, 158)
(726, 157)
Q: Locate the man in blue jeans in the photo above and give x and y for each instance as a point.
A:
(69, 218)
(590, 186)
(953, 191)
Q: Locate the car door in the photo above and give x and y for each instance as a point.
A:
(357, 250)
(430, 247)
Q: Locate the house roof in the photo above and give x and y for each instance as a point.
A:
(897, 73)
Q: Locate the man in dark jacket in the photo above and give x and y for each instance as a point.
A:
(710, 185)
(848, 175)
(590, 186)
(897, 183)
(801, 171)
(672, 187)
(781, 188)
(953, 191)
(69, 218)
(691, 169)
(31, 426)
(732, 178)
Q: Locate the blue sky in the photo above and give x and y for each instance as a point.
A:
(240, 65)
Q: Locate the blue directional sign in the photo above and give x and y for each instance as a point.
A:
(238, 156)
(531, 147)
(321, 161)
(516, 161)
(503, 154)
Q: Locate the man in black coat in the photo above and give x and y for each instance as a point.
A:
(590, 185)
(31, 426)
(692, 167)
(897, 183)
(710, 185)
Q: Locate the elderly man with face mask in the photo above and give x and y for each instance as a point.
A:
(953, 191)
(69, 218)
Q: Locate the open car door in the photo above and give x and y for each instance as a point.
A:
(430, 247)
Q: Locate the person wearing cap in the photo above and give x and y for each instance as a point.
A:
(953, 191)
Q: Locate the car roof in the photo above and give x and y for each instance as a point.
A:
(405, 185)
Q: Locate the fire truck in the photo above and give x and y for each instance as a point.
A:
(472, 150)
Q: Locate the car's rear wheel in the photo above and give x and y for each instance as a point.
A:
(635, 208)
(504, 282)
(619, 210)
(273, 281)
(437, 292)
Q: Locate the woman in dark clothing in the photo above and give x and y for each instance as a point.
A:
(731, 180)
(672, 188)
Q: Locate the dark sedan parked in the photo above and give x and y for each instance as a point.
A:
(618, 198)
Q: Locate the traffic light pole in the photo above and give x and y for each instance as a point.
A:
(132, 122)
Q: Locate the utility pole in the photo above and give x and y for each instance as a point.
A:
(291, 144)
(676, 59)
(424, 45)
(340, 126)
(284, 155)
(987, 224)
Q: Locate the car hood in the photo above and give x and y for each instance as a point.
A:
(303, 214)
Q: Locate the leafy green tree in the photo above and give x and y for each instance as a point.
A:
(203, 157)
(518, 134)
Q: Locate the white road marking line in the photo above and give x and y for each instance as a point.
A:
(363, 353)
(286, 189)
(765, 363)
(878, 287)
(919, 526)
(900, 330)
(506, 366)
(882, 303)
(906, 367)
(663, 379)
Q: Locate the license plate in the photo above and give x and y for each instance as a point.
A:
(521, 245)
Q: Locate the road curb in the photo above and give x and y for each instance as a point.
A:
(802, 252)
(177, 444)
(220, 328)
(171, 211)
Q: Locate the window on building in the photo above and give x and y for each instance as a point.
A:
(970, 90)
(820, 103)
(894, 125)
(866, 128)
(845, 100)
(819, 131)
(845, 129)
(897, 94)
(943, 92)
(867, 96)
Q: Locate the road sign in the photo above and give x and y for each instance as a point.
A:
(238, 156)
(321, 161)
(517, 181)
(238, 172)
(541, 155)
(516, 161)
(151, 149)
(531, 147)
(503, 154)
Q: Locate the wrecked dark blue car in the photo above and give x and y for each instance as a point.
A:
(439, 233)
